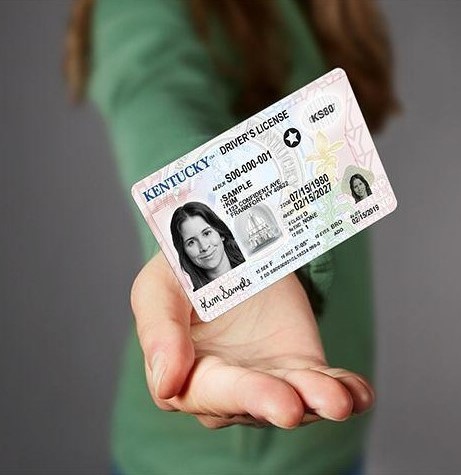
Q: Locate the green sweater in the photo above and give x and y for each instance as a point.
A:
(160, 95)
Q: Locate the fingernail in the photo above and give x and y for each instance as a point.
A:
(363, 394)
(158, 369)
(324, 415)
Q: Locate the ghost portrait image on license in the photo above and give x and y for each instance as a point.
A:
(360, 188)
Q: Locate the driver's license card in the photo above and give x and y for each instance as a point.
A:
(267, 196)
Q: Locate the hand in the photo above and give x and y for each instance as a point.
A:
(260, 363)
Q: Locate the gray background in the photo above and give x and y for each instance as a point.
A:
(69, 254)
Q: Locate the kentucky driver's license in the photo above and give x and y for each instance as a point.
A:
(267, 196)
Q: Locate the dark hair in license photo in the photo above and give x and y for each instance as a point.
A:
(205, 245)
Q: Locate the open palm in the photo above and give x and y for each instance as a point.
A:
(259, 363)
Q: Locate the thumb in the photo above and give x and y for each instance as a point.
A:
(162, 312)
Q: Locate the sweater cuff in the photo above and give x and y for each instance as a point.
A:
(317, 277)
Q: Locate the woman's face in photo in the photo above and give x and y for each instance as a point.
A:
(202, 243)
(359, 188)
